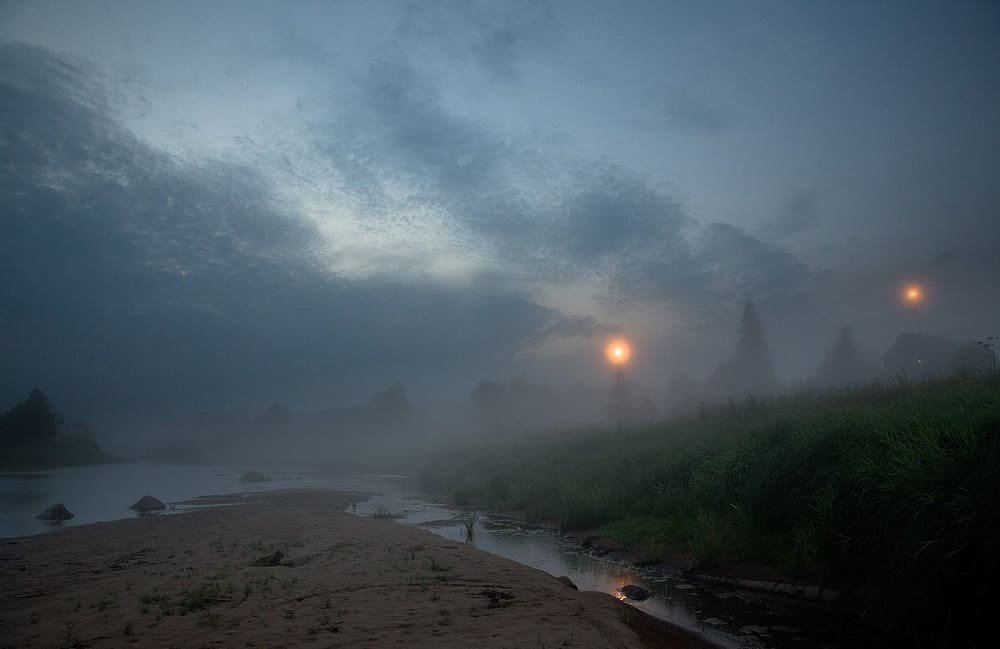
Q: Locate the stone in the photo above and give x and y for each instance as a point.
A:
(635, 593)
(148, 504)
(56, 513)
(566, 581)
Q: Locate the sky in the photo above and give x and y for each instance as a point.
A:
(224, 204)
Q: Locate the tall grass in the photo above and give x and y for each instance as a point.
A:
(469, 522)
(894, 487)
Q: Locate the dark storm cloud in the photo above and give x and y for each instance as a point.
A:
(453, 154)
(744, 265)
(610, 213)
(477, 163)
(132, 279)
(604, 223)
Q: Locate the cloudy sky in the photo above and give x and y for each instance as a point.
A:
(227, 203)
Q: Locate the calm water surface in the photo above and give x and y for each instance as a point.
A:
(105, 492)
(728, 618)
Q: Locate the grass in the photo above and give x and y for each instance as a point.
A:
(202, 597)
(70, 639)
(496, 598)
(154, 598)
(892, 486)
(381, 511)
(433, 565)
(469, 521)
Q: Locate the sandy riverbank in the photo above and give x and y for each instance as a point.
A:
(190, 580)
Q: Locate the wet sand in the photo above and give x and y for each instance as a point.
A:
(192, 580)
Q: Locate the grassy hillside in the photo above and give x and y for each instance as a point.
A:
(893, 487)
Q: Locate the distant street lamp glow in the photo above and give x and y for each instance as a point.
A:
(618, 352)
(913, 294)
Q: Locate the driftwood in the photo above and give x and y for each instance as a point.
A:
(812, 593)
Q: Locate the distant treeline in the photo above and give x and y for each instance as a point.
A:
(34, 436)
(749, 372)
(278, 434)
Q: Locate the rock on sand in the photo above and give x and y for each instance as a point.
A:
(57, 512)
(148, 504)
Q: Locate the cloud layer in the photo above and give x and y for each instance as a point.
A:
(201, 205)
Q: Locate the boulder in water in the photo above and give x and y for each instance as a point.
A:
(254, 476)
(635, 593)
(56, 513)
(148, 504)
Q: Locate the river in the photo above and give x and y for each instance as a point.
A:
(727, 617)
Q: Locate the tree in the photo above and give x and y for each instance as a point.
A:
(843, 363)
(78, 429)
(750, 370)
(31, 422)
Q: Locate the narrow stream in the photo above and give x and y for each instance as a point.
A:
(725, 617)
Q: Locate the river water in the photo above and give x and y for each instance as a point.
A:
(726, 617)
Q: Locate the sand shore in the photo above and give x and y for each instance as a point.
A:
(192, 580)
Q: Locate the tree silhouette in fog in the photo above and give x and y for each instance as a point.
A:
(843, 363)
(750, 370)
(31, 422)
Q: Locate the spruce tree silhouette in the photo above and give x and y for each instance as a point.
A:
(30, 422)
(843, 363)
(750, 370)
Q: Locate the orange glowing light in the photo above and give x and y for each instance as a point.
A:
(913, 294)
(618, 352)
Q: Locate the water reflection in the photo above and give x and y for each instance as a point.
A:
(726, 617)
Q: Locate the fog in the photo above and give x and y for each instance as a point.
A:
(241, 230)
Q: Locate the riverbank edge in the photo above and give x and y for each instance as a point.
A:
(652, 631)
(742, 576)
(753, 577)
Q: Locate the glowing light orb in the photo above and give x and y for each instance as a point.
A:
(618, 352)
(913, 294)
